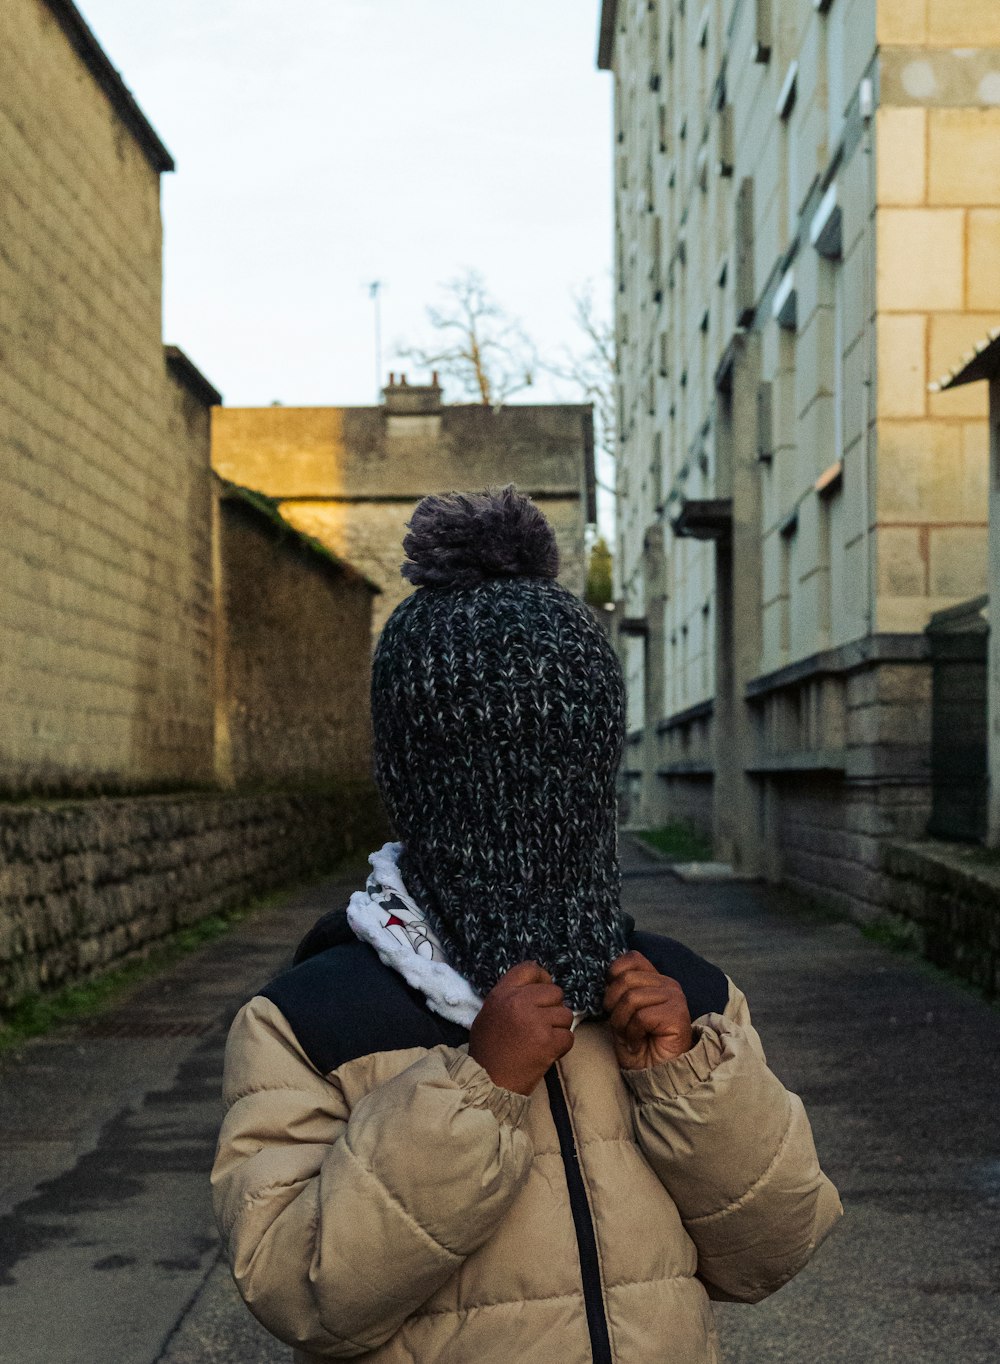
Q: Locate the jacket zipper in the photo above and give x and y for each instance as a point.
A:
(583, 1223)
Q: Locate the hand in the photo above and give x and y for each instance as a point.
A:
(648, 1013)
(521, 1029)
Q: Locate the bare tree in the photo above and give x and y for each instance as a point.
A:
(481, 347)
(591, 367)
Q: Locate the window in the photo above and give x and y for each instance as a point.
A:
(653, 38)
(763, 31)
(833, 37)
(656, 259)
(726, 142)
(745, 296)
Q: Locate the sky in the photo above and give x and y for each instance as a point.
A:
(323, 144)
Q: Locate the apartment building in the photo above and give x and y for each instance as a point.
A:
(807, 233)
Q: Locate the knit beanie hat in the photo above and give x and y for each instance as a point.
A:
(498, 717)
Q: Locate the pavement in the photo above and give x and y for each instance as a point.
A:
(108, 1249)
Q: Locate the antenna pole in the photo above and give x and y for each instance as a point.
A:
(375, 294)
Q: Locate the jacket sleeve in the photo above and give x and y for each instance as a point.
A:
(340, 1222)
(735, 1151)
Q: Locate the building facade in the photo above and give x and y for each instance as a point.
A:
(808, 231)
(351, 477)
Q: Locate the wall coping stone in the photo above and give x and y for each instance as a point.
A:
(187, 373)
(956, 867)
(702, 710)
(93, 56)
(868, 652)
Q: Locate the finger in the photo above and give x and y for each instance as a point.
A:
(636, 1031)
(641, 996)
(636, 977)
(621, 1015)
(563, 1041)
(542, 996)
(632, 1002)
(628, 980)
(526, 973)
(630, 961)
(634, 980)
(559, 1018)
(655, 1021)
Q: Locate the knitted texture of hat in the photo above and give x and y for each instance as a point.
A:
(498, 726)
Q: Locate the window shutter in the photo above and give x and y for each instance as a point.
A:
(726, 140)
(763, 38)
(745, 294)
(765, 424)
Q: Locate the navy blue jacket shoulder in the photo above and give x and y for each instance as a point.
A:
(342, 1002)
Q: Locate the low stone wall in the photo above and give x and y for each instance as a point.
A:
(951, 893)
(85, 884)
(830, 838)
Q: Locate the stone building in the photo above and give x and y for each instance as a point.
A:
(352, 476)
(808, 231)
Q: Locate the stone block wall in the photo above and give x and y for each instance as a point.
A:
(951, 894)
(86, 885)
(294, 629)
(370, 536)
(831, 839)
(865, 735)
(105, 638)
(129, 662)
(938, 223)
(351, 477)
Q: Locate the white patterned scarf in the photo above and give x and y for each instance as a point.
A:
(386, 916)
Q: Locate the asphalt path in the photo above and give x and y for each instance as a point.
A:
(108, 1250)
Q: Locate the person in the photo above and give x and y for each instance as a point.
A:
(483, 1117)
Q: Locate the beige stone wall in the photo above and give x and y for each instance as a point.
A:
(105, 636)
(939, 23)
(938, 293)
(369, 535)
(351, 477)
(294, 632)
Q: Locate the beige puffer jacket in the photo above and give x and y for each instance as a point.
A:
(379, 1196)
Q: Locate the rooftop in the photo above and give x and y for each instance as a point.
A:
(82, 39)
(188, 373)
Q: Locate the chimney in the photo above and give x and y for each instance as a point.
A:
(403, 399)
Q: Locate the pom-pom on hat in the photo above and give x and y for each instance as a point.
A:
(498, 716)
(460, 539)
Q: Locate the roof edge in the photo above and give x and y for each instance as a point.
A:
(188, 373)
(505, 408)
(606, 41)
(269, 509)
(97, 61)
